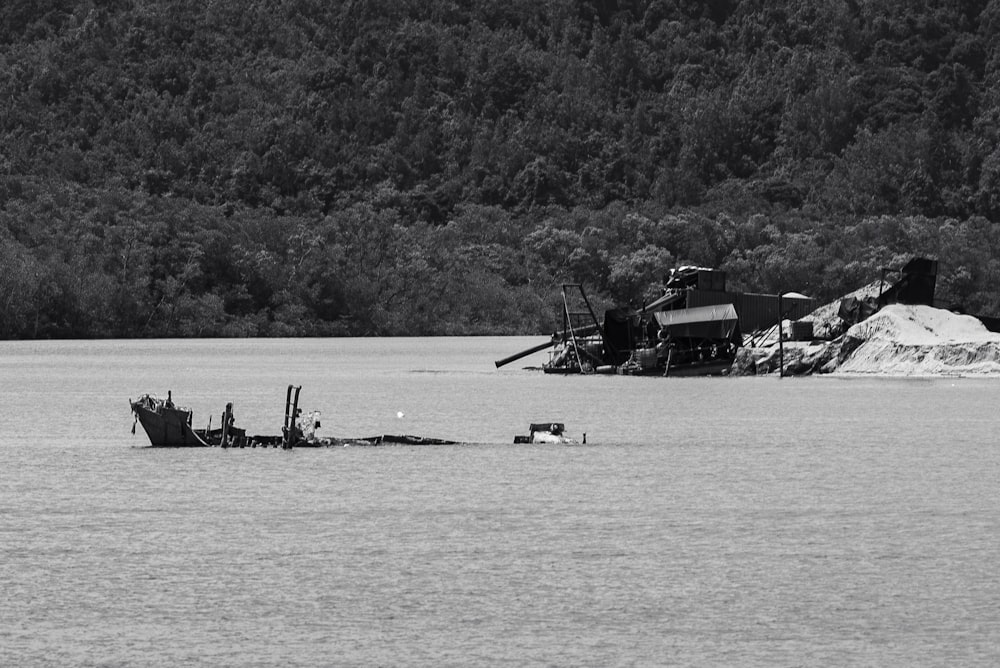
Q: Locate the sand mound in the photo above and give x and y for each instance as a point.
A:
(919, 340)
(827, 323)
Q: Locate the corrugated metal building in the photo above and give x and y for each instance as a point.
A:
(756, 311)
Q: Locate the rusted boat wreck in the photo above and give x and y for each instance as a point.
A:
(170, 426)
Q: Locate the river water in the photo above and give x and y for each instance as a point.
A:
(748, 521)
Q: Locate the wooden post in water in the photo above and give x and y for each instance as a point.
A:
(227, 422)
(289, 431)
(295, 415)
(284, 426)
(781, 345)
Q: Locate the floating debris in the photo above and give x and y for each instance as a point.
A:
(548, 432)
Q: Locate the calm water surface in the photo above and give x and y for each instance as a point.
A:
(724, 522)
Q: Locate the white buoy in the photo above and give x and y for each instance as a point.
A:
(400, 414)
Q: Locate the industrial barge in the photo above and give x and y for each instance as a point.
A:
(697, 327)
(694, 328)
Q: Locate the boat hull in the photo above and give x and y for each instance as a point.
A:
(168, 427)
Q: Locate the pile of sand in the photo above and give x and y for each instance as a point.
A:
(918, 340)
(826, 320)
(899, 340)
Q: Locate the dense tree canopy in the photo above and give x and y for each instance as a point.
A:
(308, 167)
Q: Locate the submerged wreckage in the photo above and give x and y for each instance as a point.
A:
(170, 426)
(697, 327)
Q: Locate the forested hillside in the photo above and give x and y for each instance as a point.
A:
(331, 167)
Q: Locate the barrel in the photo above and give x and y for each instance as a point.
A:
(646, 358)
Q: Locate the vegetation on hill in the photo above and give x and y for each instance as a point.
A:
(306, 167)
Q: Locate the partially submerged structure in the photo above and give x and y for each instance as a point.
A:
(170, 426)
(547, 432)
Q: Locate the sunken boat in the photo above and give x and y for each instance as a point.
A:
(170, 426)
